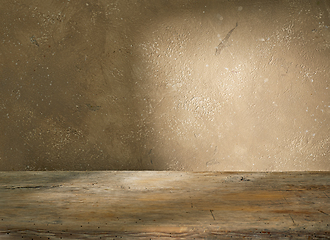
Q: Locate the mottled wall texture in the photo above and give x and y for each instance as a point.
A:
(192, 85)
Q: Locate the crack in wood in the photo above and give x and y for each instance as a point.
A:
(29, 187)
(323, 212)
(292, 220)
(211, 211)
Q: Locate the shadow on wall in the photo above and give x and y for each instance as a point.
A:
(192, 85)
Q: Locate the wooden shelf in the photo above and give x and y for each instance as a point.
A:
(164, 205)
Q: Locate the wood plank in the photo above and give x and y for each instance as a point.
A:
(163, 205)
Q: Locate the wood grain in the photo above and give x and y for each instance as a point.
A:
(164, 205)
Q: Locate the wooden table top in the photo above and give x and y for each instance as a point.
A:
(164, 205)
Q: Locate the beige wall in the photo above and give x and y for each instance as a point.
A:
(104, 85)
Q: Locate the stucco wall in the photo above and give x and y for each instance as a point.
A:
(165, 85)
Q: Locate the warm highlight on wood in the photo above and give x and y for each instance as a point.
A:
(164, 205)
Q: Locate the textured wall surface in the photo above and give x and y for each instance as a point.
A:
(165, 85)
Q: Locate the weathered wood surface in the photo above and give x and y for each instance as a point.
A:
(164, 205)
